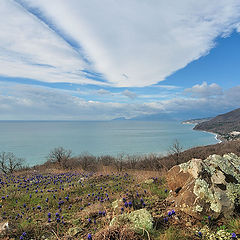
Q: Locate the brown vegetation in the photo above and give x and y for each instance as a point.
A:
(149, 162)
(116, 233)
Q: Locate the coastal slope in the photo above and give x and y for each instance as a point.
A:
(225, 125)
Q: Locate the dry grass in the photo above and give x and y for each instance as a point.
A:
(117, 233)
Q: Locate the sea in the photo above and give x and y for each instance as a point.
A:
(33, 140)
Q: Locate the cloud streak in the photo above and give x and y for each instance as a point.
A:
(119, 43)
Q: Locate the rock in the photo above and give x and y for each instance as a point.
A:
(188, 224)
(206, 187)
(4, 227)
(74, 231)
(117, 203)
(138, 220)
(206, 233)
(149, 181)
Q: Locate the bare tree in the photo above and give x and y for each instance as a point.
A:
(175, 149)
(87, 162)
(132, 161)
(60, 155)
(10, 163)
(119, 162)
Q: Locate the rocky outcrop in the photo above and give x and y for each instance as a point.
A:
(206, 187)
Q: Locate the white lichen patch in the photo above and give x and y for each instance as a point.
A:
(138, 220)
(229, 164)
(199, 208)
(233, 192)
(207, 234)
(202, 191)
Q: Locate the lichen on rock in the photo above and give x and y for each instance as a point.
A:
(138, 220)
(210, 186)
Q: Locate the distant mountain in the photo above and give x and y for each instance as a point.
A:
(224, 124)
(153, 117)
(166, 117)
(119, 119)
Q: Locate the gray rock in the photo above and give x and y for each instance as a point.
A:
(138, 220)
(206, 187)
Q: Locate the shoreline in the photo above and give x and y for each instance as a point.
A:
(218, 137)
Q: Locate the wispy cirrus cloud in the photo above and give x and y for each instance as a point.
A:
(30, 49)
(120, 43)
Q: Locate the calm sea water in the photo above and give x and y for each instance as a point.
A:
(33, 140)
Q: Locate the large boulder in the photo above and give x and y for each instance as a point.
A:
(206, 187)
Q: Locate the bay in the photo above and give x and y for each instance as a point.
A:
(33, 140)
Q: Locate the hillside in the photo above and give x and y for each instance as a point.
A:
(226, 125)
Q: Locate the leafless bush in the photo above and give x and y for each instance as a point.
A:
(87, 162)
(149, 162)
(10, 163)
(60, 155)
(175, 150)
(106, 160)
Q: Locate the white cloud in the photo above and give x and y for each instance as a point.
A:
(205, 90)
(29, 49)
(104, 92)
(19, 101)
(132, 43)
(129, 94)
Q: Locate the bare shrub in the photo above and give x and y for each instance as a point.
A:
(175, 149)
(10, 163)
(119, 162)
(87, 162)
(60, 155)
(106, 160)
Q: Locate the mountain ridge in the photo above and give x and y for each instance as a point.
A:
(226, 125)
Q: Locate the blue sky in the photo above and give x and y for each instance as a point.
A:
(99, 60)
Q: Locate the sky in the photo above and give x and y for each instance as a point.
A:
(100, 60)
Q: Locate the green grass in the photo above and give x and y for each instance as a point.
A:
(88, 194)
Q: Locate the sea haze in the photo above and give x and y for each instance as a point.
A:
(33, 140)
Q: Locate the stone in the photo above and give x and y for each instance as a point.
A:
(206, 187)
(149, 181)
(188, 224)
(138, 220)
(74, 231)
(117, 203)
(4, 227)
